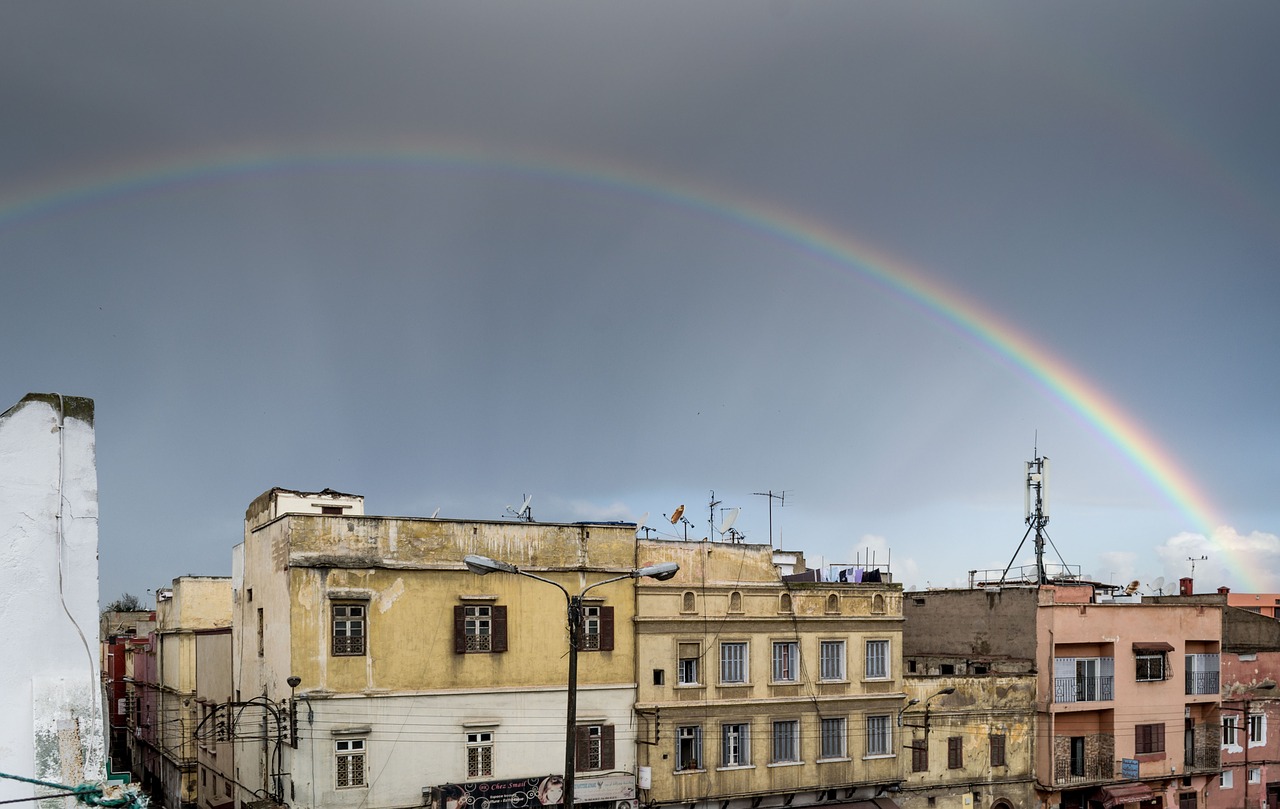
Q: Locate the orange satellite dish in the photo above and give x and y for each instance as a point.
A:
(677, 514)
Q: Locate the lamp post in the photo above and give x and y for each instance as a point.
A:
(948, 690)
(1248, 701)
(483, 565)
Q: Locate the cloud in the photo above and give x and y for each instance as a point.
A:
(1226, 557)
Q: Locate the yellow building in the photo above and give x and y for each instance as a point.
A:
(416, 681)
(968, 742)
(759, 689)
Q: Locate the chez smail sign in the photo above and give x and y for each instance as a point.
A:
(532, 793)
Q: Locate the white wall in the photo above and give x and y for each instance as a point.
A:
(52, 727)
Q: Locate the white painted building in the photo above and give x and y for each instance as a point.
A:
(51, 700)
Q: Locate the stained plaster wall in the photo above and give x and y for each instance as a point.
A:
(734, 592)
(53, 726)
(410, 686)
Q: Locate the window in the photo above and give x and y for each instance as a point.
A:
(833, 738)
(688, 748)
(735, 747)
(1257, 729)
(689, 602)
(955, 752)
(597, 629)
(594, 748)
(1186, 800)
(480, 754)
(1077, 756)
(1148, 739)
(920, 755)
(833, 604)
(262, 639)
(997, 749)
(784, 603)
(877, 604)
(350, 763)
(1229, 729)
(786, 741)
(479, 628)
(1202, 673)
(348, 629)
(877, 659)
(1255, 775)
(786, 656)
(831, 663)
(878, 736)
(1150, 667)
(733, 662)
(687, 669)
(735, 602)
(1226, 779)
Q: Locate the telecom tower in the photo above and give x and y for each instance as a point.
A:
(1036, 516)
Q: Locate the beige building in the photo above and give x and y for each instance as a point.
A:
(215, 755)
(416, 682)
(165, 713)
(763, 690)
(969, 741)
(1126, 692)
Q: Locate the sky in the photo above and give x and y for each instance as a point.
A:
(869, 257)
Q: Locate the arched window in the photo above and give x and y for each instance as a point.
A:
(784, 603)
(833, 604)
(735, 601)
(690, 602)
(877, 604)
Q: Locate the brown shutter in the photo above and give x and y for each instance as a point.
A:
(606, 740)
(580, 752)
(606, 630)
(954, 757)
(459, 630)
(499, 643)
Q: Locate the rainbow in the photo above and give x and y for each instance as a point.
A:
(837, 248)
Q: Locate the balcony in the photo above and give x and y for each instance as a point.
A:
(1084, 759)
(1202, 682)
(1084, 689)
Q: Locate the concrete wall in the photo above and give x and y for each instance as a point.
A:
(53, 725)
(993, 628)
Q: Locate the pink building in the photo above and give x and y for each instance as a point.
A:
(1127, 692)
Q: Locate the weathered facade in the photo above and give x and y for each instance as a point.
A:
(418, 681)
(969, 740)
(163, 744)
(53, 723)
(1126, 692)
(756, 690)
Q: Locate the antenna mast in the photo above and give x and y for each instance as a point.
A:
(781, 497)
(1036, 513)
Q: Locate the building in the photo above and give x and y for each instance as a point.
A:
(214, 687)
(164, 687)
(53, 723)
(1126, 696)
(969, 741)
(759, 689)
(119, 633)
(412, 681)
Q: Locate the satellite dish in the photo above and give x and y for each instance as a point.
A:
(527, 500)
(435, 513)
(1158, 585)
(728, 520)
(1133, 587)
(640, 522)
(677, 514)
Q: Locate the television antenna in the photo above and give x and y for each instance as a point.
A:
(1193, 560)
(727, 517)
(781, 497)
(524, 513)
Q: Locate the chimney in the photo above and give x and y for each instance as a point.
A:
(1184, 586)
(1223, 590)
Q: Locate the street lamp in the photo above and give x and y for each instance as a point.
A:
(483, 565)
(1248, 701)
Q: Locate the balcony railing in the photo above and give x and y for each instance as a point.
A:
(1084, 769)
(1202, 682)
(1083, 689)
